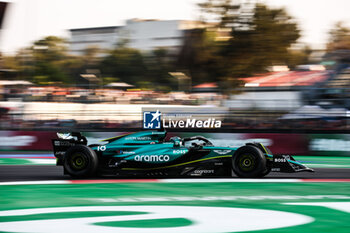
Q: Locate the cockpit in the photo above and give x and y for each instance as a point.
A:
(191, 142)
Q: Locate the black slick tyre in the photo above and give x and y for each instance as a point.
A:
(249, 162)
(268, 162)
(80, 161)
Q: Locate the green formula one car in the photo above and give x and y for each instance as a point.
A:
(148, 154)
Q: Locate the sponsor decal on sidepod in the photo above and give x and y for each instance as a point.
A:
(152, 158)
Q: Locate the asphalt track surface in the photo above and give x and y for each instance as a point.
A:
(52, 172)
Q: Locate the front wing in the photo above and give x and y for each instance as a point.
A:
(286, 163)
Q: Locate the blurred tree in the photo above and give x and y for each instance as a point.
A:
(9, 62)
(261, 41)
(9, 67)
(127, 64)
(91, 56)
(241, 39)
(339, 37)
(107, 80)
(41, 79)
(199, 56)
(47, 61)
(25, 64)
(145, 85)
(73, 67)
(159, 63)
(222, 12)
(49, 56)
(298, 56)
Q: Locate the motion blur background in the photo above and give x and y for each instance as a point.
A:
(259, 66)
(275, 72)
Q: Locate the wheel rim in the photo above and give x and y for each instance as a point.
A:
(246, 162)
(78, 161)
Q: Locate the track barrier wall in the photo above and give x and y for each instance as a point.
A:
(279, 143)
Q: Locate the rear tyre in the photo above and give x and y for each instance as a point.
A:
(80, 161)
(249, 162)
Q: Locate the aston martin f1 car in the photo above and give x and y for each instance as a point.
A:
(148, 154)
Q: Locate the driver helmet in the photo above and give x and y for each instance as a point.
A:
(176, 140)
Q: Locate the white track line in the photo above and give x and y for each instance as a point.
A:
(234, 180)
(44, 182)
(229, 180)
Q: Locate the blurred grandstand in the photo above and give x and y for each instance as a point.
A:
(310, 97)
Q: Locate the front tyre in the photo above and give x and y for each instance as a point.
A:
(80, 161)
(249, 162)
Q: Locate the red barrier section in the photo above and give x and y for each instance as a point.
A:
(294, 144)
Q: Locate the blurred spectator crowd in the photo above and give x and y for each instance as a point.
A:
(82, 95)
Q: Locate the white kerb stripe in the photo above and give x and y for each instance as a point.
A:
(36, 182)
(159, 181)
